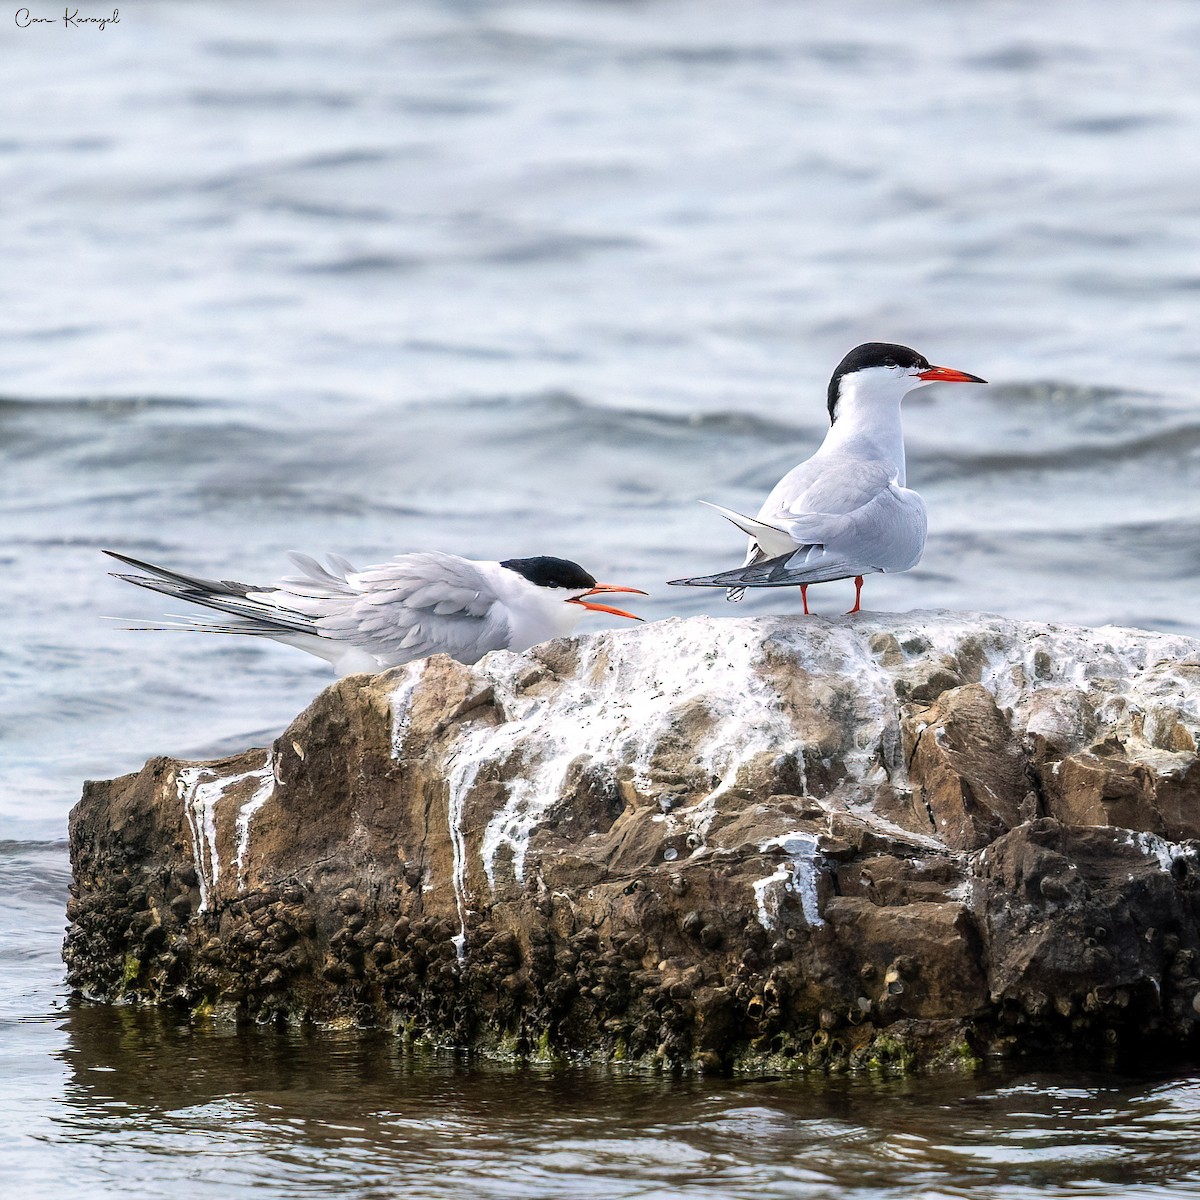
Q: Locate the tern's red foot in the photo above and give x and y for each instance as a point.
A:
(857, 595)
(804, 598)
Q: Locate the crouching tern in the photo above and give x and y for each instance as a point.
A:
(845, 512)
(393, 613)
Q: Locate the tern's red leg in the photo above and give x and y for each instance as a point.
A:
(804, 597)
(857, 595)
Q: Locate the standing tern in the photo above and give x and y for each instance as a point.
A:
(845, 512)
(410, 607)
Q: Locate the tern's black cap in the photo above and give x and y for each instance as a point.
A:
(551, 572)
(872, 354)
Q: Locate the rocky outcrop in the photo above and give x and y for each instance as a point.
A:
(895, 839)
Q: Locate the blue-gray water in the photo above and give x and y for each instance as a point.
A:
(520, 278)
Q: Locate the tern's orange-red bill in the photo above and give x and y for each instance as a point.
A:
(949, 375)
(607, 608)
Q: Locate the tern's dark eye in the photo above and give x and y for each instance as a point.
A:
(890, 362)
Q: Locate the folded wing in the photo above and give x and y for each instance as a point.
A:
(395, 612)
(415, 605)
(841, 517)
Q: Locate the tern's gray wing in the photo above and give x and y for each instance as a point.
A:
(847, 516)
(407, 608)
(772, 572)
(854, 509)
(829, 487)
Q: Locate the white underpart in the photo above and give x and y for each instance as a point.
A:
(868, 416)
(798, 876)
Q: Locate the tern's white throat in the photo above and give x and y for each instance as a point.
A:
(866, 415)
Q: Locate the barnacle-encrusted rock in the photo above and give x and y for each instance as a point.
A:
(894, 839)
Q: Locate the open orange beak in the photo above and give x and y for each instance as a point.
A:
(607, 608)
(948, 375)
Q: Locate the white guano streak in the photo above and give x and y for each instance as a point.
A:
(199, 789)
(401, 703)
(199, 798)
(185, 782)
(615, 710)
(462, 774)
(266, 778)
(798, 876)
(1164, 852)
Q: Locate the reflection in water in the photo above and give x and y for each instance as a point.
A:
(355, 1114)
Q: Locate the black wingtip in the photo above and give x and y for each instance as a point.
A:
(130, 562)
(698, 581)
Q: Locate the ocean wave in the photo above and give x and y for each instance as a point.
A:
(95, 405)
(1178, 443)
(590, 414)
